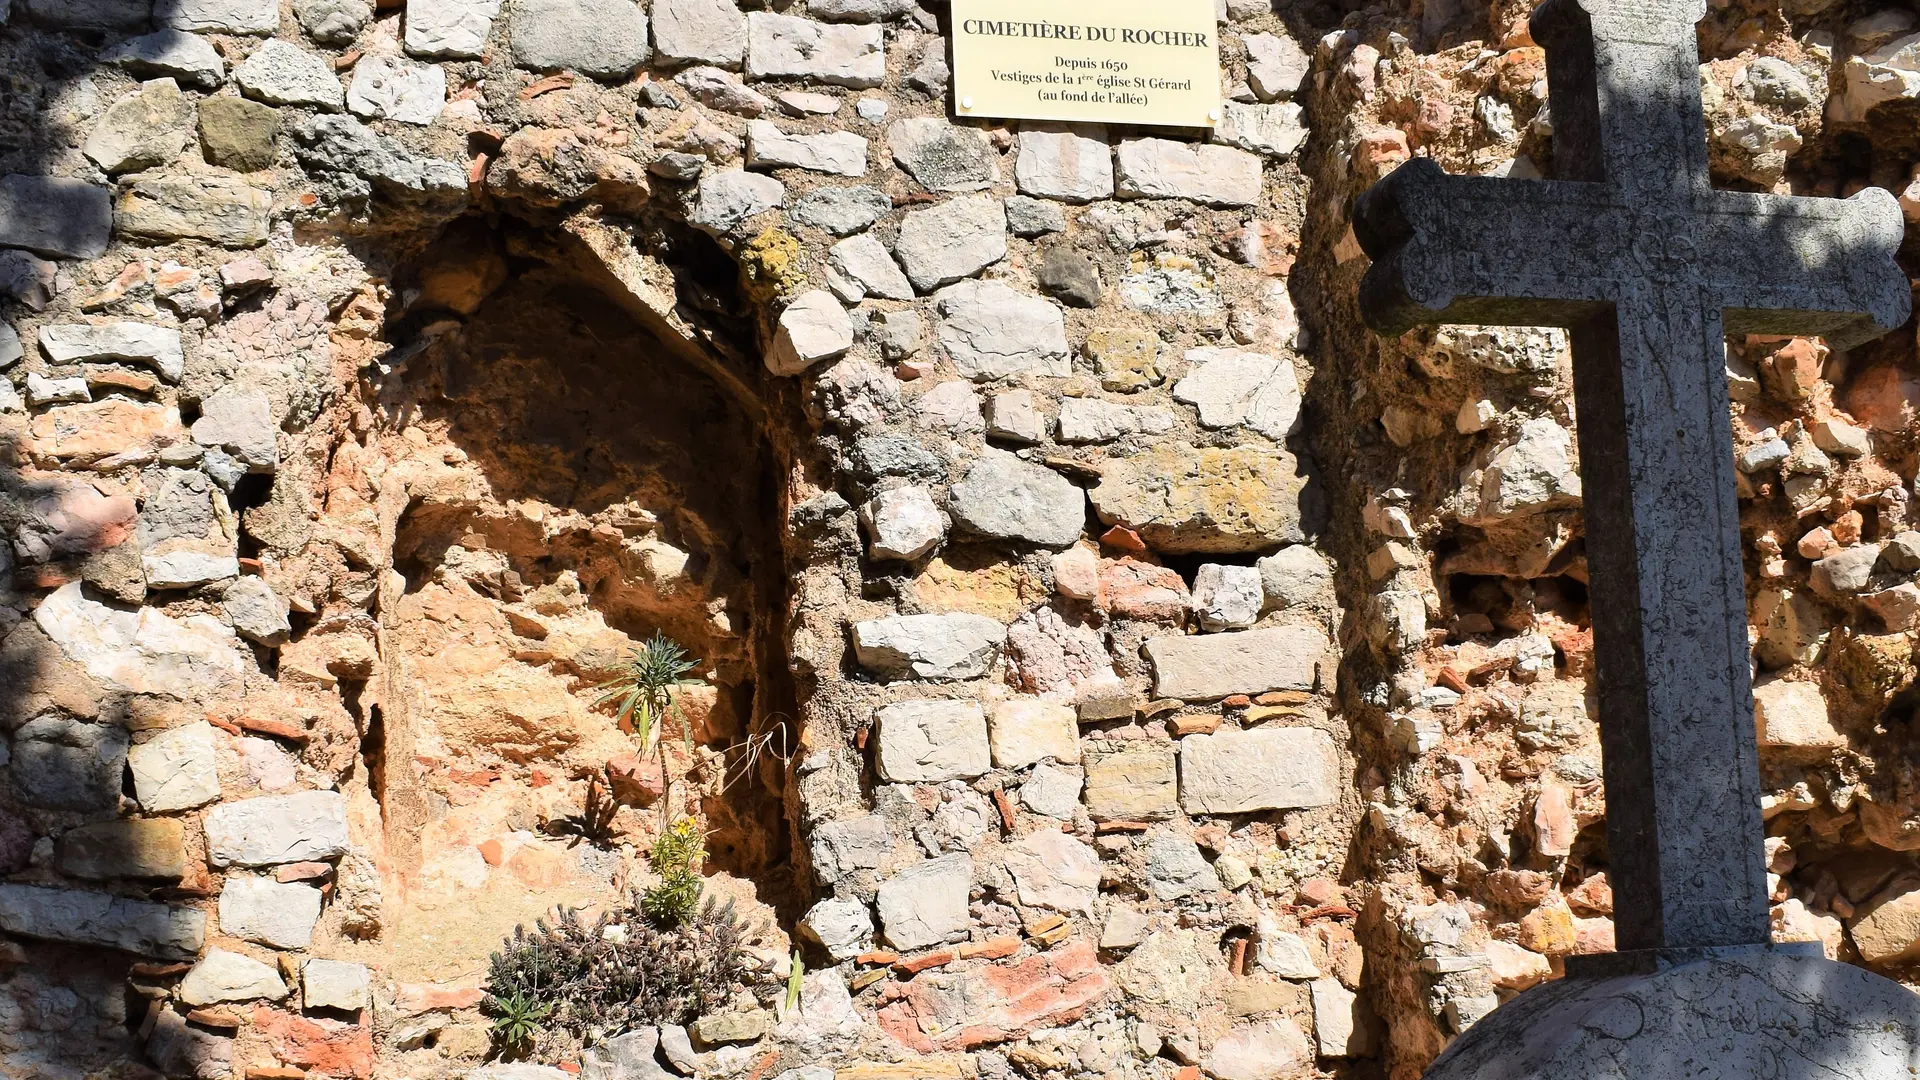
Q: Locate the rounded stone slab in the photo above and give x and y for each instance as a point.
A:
(1732, 1014)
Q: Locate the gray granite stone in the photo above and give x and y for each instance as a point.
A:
(841, 211)
(394, 88)
(788, 47)
(953, 240)
(726, 199)
(1665, 268)
(943, 156)
(64, 764)
(275, 829)
(281, 73)
(990, 330)
(90, 918)
(841, 153)
(146, 128)
(606, 39)
(280, 914)
(1005, 498)
(55, 217)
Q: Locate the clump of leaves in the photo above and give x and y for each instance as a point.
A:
(517, 1018)
(677, 855)
(594, 823)
(643, 692)
(619, 972)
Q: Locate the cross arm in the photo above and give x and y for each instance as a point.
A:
(1482, 249)
(1825, 267)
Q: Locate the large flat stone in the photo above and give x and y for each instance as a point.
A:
(1028, 730)
(951, 646)
(953, 240)
(700, 32)
(282, 73)
(155, 346)
(1185, 499)
(190, 58)
(89, 918)
(930, 741)
(926, 903)
(943, 156)
(218, 209)
(787, 47)
(222, 975)
(270, 912)
(1206, 667)
(276, 829)
(218, 16)
(1130, 779)
(335, 984)
(394, 88)
(58, 218)
(143, 652)
(63, 764)
(128, 848)
(141, 130)
(1055, 871)
(1006, 498)
(449, 29)
(606, 39)
(841, 153)
(1237, 772)
(1164, 169)
(1238, 388)
(1071, 164)
(177, 769)
(990, 330)
(88, 14)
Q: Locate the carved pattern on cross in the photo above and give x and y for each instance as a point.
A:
(1649, 268)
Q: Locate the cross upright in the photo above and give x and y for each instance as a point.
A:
(1649, 268)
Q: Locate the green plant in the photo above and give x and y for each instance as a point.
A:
(643, 693)
(796, 981)
(517, 1018)
(677, 855)
(619, 972)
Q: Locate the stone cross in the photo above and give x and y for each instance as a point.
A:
(1649, 268)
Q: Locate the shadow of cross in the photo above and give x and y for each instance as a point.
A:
(1649, 268)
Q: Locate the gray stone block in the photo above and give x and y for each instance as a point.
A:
(58, 218)
(606, 39)
(89, 918)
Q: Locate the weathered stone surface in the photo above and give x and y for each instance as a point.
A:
(218, 16)
(1129, 780)
(1792, 718)
(1070, 275)
(58, 218)
(1050, 791)
(1273, 130)
(1204, 499)
(700, 32)
(865, 262)
(786, 47)
(88, 14)
(239, 134)
(1034, 217)
(606, 39)
(1227, 597)
(1181, 970)
(843, 927)
(841, 153)
(281, 73)
(449, 29)
(841, 211)
(1271, 1050)
(1175, 868)
(239, 420)
(222, 975)
(811, 329)
(1068, 163)
(1276, 65)
(951, 407)
(269, 912)
(953, 646)
(176, 769)
(218, 209)
(104, 434)
(726, 199)
(393, 88)
(1006, 498)
(335, 984)
(333, 22)
(1164, 169)
(1210, 666)
(129, 848)
(1297, 577)
(1234, 387)
(275, 829)
(90, 918)
(902, 523)
(144, 652)
(943, 156)
(931, 741)
(1026, 730)
(953, 240)
(178, 1048)
(1055, 871)
(849, 845)
(1015, 416)
(1236, 772)
(26, 277)
(1092, 420)
(156, 346)
(146, 128)
(926, 903)
(990, 331)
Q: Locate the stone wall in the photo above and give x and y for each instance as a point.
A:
(1116, 662)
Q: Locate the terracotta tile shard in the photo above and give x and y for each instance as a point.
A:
(301, 871)
(547, 85)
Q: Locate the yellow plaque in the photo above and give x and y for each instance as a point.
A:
(1151, 62)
